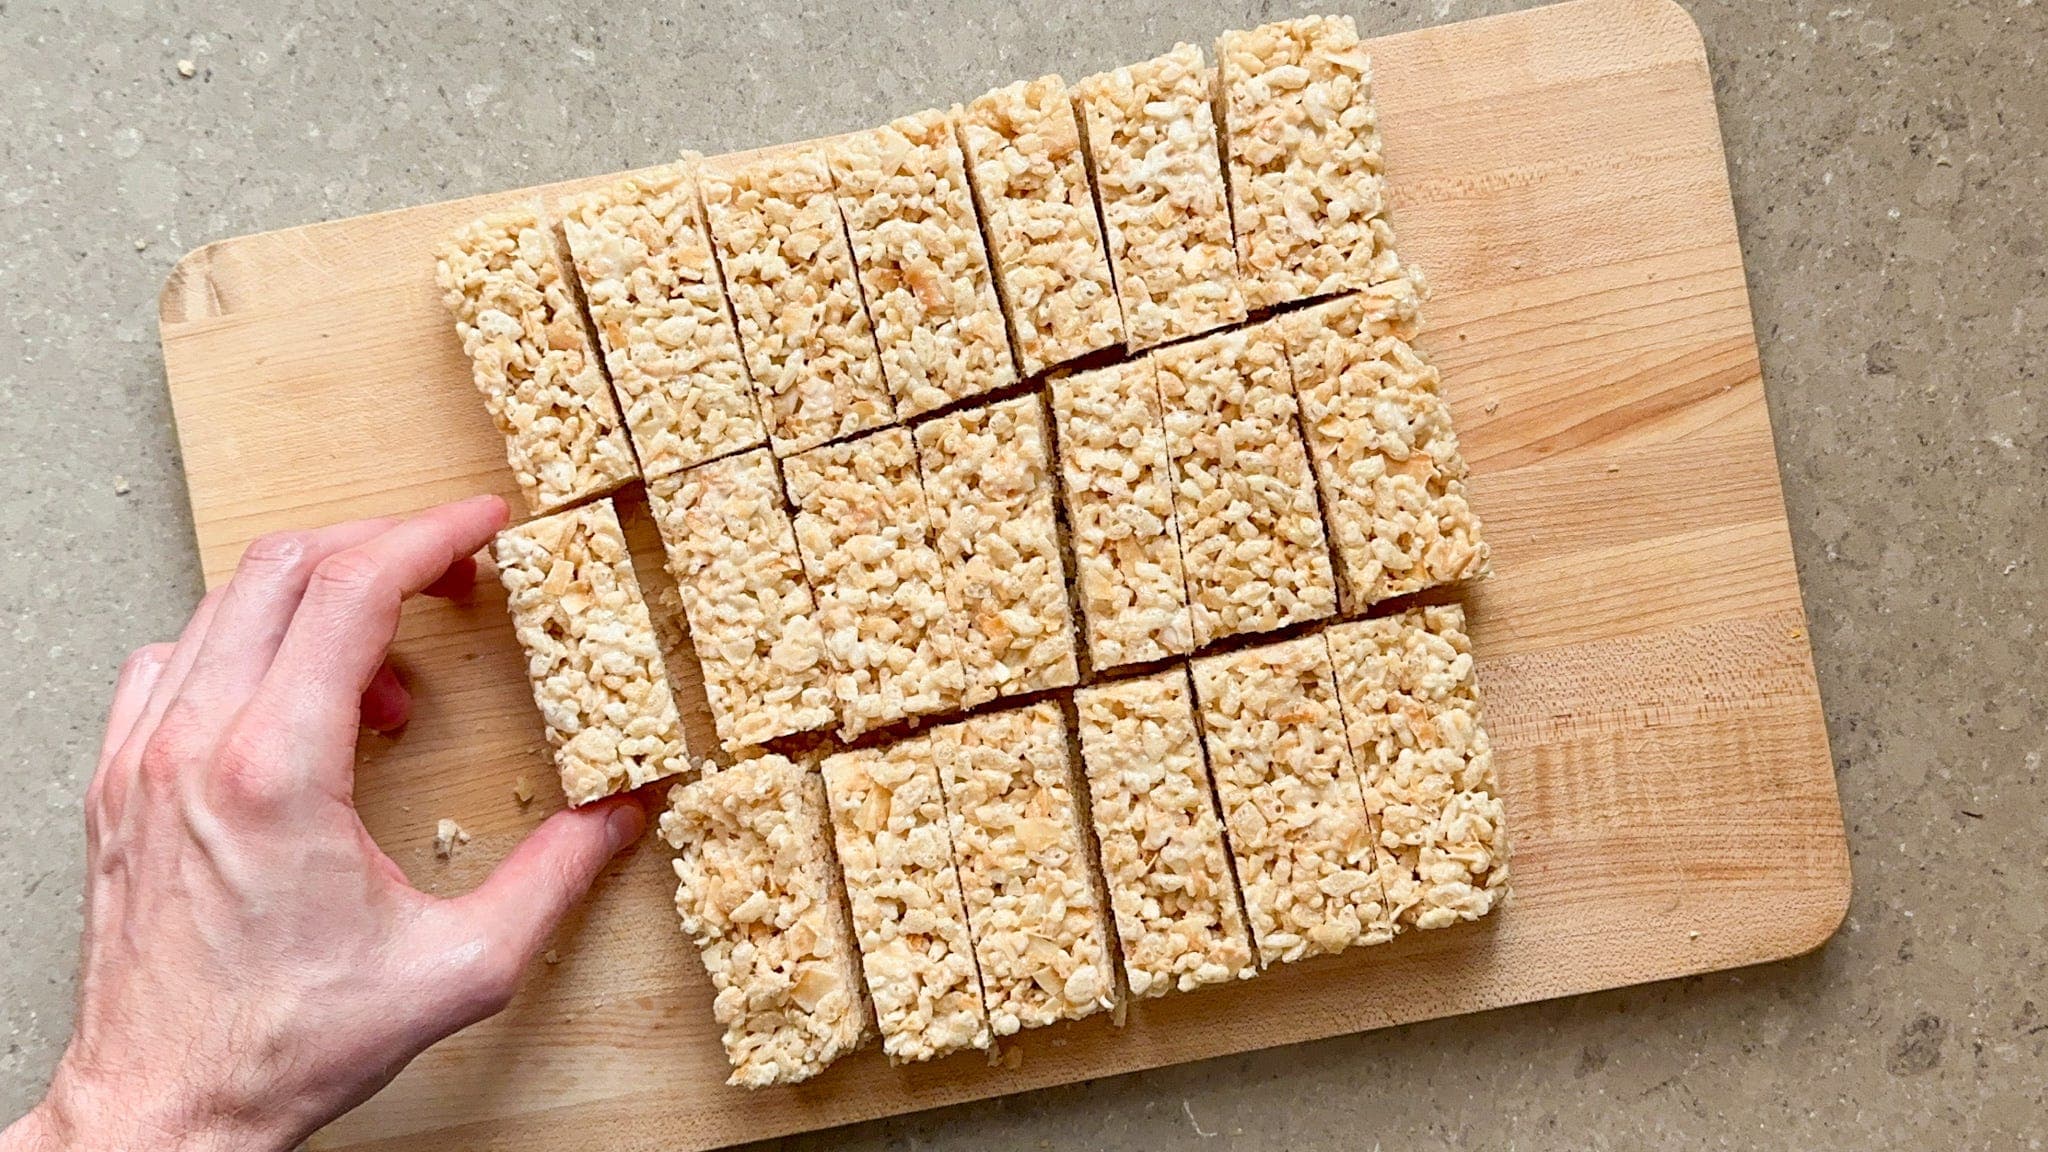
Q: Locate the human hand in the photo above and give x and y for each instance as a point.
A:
(253, 964)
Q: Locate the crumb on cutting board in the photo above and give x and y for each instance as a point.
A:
(448, 836)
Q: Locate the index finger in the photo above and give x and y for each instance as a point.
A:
(349, 614)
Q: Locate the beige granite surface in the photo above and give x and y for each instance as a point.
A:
(1890, 178)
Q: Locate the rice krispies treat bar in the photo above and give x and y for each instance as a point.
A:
(591, 653)
(864, 534)
(1412, 709)
(758, 895)
(1030, 181)
(1386, 456)
(890, 825)
(532, 359)
(1152, 143)
(1163, 853)
(1251, 535)
(753, 620)
(1307, 189)
(1041, 933)
(645, 264)
(1119, 496)
(789, 274)
(988, 484)
(1291, 800)
(923, 270)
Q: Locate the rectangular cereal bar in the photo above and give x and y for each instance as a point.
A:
(1307, 189)
(753, 619)
(1030, 180)
(533, 360)
(923, 270)
(1386, 456)
(889, 823)
(1291, 800)
(1118, 486)
(1041, 933)
(865, 537)
(591, 654)
(988, 483)
(759, 896)
(789, 274)
(1251, 535)
(1412, 708)
(1151, 134)
(653, 290)
(1163, 853)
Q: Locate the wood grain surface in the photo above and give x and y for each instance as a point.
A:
(1669, 790)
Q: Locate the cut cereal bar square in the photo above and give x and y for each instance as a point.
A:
(864, 534)
(1291, 800)
(753, 619)
(1412, 709)
(1119, 497)
(923, 270)
(1030, 180)
(645, 263)
(789, 274)
(988, 482)
(889, 824)
(1041, 933)
(591, 654)
(1306, 182)
(1250, 532)
(1151, 135)
(1386, 456)
(533, 360)
(759, 896)
(1164, 858)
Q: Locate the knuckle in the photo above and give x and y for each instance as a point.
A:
(350, 577)
(274, 551)
(146, 657)
(177, 743)
(248, 775)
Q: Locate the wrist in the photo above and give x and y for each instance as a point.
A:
(84, 1114)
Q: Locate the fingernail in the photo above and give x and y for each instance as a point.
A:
(623, 826)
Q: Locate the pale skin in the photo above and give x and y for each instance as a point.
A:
(253, 964)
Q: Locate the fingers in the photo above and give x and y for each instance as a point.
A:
(336, 642)
(386, 704)
(456, 583)
(506, 920)
(256, 607)
(132, 687)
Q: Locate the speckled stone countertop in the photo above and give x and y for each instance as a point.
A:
(1890, 179)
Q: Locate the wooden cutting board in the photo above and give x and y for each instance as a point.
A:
(1670, 795)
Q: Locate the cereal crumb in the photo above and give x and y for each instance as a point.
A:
(142, 245)
(522, 791)
(448, 836)
(1693, 935)
(120, 486)
(1492, 406)
(187, 69)
(1614, 467)
(1013, 1058)
(551, 956)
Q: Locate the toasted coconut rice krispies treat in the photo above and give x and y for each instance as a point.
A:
(753, 619)
(591, 652)
(1118, 486)
(989, 487)
(890, 827)
(1386, 455)
(1041, 933)
(923, 270)
(531, 357)
(1307, 185)
(648, 276)
(1412, 708)
(789, 273)
(1251, 535)
(1164, 859)
(1151, 135)
(1310, 873)
(1030, 181)
(759, 896)
(864, 534)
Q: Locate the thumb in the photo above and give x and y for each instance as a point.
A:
(511, 914)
